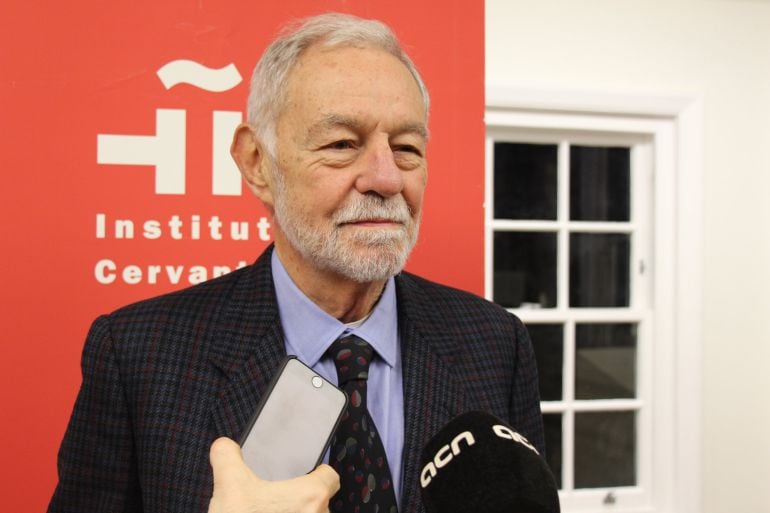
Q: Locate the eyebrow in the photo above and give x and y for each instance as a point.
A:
(342, 121)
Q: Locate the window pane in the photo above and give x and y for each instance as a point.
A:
(525, 181)
(600, 183)
(605, 449)
(552, 428)
(599, 269)
(524, 269)
(605, 361)
(547, 339)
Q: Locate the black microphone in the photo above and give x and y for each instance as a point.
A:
(477, 463)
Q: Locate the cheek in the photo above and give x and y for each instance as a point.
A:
(414, 188)
(321, 196)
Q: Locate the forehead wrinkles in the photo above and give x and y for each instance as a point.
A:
(332, 121)
(321, 89)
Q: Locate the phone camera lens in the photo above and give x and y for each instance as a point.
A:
(317, 382)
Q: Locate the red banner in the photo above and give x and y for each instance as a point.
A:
(117, 119)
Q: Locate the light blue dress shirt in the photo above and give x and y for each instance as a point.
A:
(309, 332)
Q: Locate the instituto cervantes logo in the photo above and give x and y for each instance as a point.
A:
(166, 152)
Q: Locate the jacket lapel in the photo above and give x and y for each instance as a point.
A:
(432, 393)
(248, 349)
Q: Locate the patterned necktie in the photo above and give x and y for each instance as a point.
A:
(357, 453)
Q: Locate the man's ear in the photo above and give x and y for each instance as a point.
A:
(254, 163)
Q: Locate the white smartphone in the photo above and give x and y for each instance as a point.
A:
(293, 425)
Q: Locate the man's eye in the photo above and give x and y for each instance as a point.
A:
(407, 148)
(340, 145)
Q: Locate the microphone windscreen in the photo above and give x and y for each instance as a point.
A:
(478, 463)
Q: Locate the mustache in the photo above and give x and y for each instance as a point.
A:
(371, 208)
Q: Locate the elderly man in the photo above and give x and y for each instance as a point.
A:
(335, 148)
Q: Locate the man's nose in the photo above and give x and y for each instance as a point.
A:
(379, 172)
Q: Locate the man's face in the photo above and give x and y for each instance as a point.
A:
(351, 162)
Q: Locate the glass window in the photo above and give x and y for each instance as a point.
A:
(605, 361)
(525, 181)
(605, 449)
(600, 184)
(548, 342)
(525, 269)
(599, 269)
(563, 237)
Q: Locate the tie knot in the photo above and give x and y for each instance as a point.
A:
(352, 356)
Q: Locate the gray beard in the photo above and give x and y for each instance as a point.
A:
(362, 255)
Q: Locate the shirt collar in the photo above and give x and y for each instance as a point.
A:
(310, 331)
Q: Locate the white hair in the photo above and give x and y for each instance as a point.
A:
(269, 80)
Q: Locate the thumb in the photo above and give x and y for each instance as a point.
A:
(328, 478)
(226, 460)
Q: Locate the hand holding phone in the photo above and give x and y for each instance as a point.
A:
(289, 433)
(237, 489)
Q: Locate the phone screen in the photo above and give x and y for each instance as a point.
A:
(293, 425)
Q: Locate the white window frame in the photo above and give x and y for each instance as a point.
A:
(670, 480)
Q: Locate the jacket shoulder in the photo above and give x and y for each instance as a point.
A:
(443, 308)
(241, 300)
(184, 302)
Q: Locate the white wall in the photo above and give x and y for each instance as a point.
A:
(719, 49)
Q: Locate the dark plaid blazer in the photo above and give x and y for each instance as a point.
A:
(165, 377)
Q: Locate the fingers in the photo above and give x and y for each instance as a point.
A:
(226, 459)
(225, 447)
(311, 493)
(328, 478)
(238, 489)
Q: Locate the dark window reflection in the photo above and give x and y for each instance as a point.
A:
(600, 184)
(605, 361)
(605, 449)
(525, 181)
(599, 266)
(553, 444)
(524, 269)
(547, 340)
